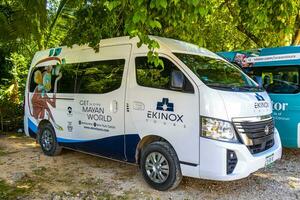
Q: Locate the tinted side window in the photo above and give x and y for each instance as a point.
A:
(283, 80)
(157, 77)
(66, 82)
(99, 77)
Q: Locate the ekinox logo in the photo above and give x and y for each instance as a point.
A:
(165, 111)
(165, 105)
(261, 102)
(259, 97)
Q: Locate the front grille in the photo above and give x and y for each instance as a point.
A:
(258, 135)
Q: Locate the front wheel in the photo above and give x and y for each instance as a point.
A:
(160, 166)
(48, 142)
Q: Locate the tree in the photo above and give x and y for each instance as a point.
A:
(26, 27)
(218, 25)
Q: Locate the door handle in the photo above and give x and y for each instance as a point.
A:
(138, 105)
(114, 106)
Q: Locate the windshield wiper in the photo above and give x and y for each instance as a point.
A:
(251, 87)
(219, 85)
(228, 87)
(235, 87)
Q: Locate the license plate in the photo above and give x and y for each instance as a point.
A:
(269, 160)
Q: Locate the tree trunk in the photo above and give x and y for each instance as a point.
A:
(1, 121)
(296, 39)
(59, 11)
(296, 36)
(240, 27)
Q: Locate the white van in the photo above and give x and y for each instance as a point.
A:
(197, 115)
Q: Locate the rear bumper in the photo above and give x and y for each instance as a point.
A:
(213, 159)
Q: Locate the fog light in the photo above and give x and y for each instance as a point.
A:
(231, 161)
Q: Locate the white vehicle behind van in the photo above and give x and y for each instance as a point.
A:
(197, 115)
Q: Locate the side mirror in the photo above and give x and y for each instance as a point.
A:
(177, 80)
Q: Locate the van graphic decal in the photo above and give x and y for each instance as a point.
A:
(69, 111)
(241, 60)
(259, 97)
(262, 103)
(54, 52)
(44, 94)
(160, 116)
(111, 146)
(165, 105)
(96, 116)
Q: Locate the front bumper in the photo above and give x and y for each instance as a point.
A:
(213, 159)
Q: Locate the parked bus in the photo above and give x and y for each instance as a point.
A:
(277, 70)
(194, 115)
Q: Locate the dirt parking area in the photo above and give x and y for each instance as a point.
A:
(26, 173)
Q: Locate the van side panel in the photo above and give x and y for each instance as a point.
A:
(171, 115)
(92, 123)
(286, 111)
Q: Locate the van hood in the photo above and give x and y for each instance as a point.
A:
(228, 105)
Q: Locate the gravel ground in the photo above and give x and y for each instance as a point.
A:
(25, 173)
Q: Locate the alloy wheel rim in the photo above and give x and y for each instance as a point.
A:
(157, 167)
(47, 140)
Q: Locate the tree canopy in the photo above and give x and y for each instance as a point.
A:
(217, 25)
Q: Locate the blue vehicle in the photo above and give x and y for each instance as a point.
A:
(278, 71)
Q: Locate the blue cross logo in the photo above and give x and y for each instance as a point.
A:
(259, 97)
(165, 105)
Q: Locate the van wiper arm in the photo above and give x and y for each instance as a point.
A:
(218, 85)
(235, 87)
(223, 86)
(251, 87)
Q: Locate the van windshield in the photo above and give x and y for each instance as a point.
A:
(218, 74)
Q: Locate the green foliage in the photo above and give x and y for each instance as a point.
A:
(18, 18)
(266, 23)
(12, 90)
(19, 71)
(10, 108)
(26, 27)
(218, 25)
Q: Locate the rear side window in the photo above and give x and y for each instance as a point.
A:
(36, 77)
(43, 79)
(88, 78)
(157, 77)
(281, 80)
(99, 77)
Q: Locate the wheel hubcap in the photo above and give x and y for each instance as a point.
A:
(157, 167)
(47, 140)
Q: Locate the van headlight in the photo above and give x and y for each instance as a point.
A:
(217, 129)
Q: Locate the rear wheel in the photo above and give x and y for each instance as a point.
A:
(160, 166)
(48, 142)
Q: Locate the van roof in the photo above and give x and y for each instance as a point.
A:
(166, 44)
(171, 44)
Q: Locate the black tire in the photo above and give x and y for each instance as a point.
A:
(50, 148)
(174, 176)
